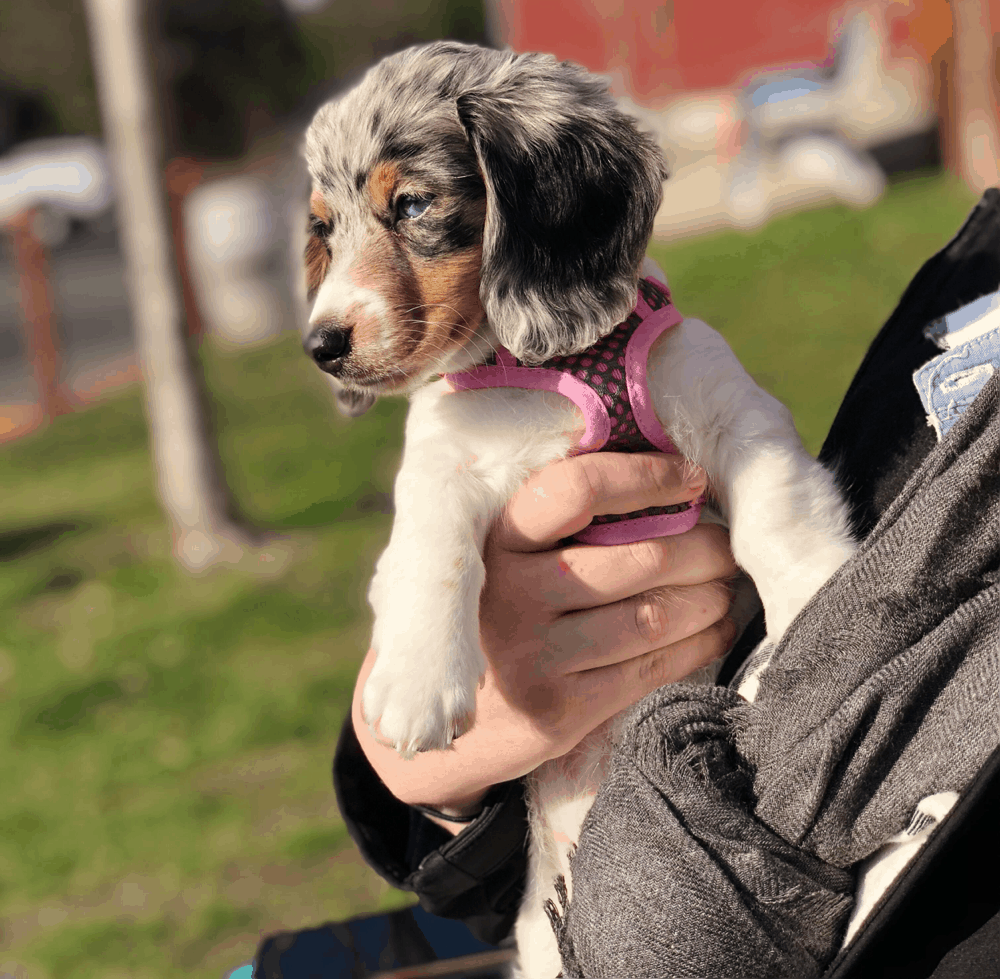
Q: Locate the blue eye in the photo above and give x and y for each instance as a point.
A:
(412, 207)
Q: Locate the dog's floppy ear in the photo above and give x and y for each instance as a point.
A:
(572, 187)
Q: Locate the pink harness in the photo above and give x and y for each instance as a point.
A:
(608, 384)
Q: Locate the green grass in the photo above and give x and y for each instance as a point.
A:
(165, 740)
(800, 300)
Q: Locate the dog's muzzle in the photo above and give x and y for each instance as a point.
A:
(328, 346)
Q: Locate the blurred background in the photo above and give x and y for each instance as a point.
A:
(182, 581)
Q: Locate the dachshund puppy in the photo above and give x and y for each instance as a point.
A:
(478, 227)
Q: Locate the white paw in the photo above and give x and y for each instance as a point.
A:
(415, 705)
(421, 693)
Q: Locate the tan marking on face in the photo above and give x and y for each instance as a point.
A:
(382, 182)
(449, 292)
(317, 259)
(378, 338)
(317, 265)
(318, 207)
(433, 306)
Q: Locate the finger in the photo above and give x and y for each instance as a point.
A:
(564, 497)
(582, 577)
(599, 637)
(607, 690)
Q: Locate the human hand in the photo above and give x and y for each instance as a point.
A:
(573, 634)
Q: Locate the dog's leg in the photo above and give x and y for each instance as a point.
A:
(538, 954)
(559, 795)
(788, 523)
(465, 456)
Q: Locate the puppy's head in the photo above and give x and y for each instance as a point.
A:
(462, 195)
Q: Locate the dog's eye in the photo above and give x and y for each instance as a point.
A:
(409, 206)
(318, 227)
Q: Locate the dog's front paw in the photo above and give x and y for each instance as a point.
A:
(421, 693)
(414, 707)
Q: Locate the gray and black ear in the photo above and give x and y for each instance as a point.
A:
(572, 187)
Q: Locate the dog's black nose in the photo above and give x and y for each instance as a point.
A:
(328, 346)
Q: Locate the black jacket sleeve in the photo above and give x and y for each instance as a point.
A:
(477, 876)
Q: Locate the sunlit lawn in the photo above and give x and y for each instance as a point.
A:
(165, 740)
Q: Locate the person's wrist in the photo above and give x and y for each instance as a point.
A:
(452, 814)
(454, 817)
(455, 810)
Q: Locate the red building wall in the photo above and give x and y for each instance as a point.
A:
(661, 47)
(658, 47)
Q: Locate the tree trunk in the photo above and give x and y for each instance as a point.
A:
(189, 475)
(976, 141)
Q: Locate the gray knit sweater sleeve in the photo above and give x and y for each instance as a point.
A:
(723, 842)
